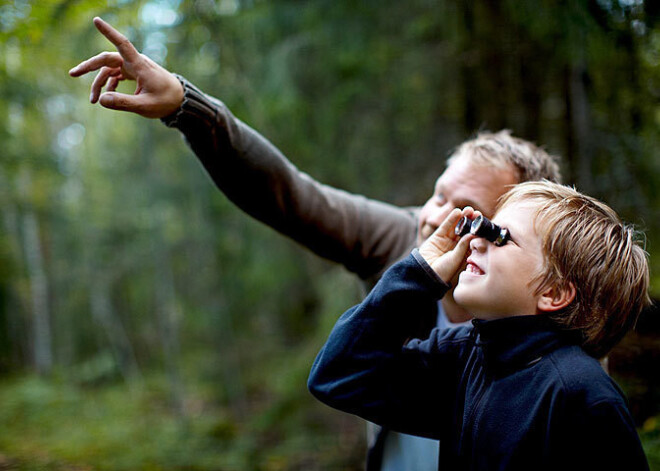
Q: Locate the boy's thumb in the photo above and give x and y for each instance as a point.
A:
(459, 252)
(464, 244)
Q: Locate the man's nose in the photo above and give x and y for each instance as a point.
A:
(438, 215)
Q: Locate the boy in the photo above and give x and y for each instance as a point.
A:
(522, 388)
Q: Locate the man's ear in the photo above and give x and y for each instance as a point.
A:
(555, 298)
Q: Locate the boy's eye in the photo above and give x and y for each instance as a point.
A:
(440, 198)
(489, 230)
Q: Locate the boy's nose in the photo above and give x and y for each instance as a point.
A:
(478, 244)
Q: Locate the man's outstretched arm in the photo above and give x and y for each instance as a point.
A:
(364, 235)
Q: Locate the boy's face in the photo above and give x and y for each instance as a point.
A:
(497, 280)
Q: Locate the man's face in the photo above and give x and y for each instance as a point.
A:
(497, 280)
(464, 183)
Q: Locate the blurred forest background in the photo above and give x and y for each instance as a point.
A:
(146, 323)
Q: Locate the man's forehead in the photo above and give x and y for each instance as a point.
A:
(465, 169)
(476, 184)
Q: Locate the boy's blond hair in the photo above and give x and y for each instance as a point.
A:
(500, 149)
(586, 244)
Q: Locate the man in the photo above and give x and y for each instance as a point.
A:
(364, 235)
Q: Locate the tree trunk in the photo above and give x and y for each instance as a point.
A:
(168, 315)
(105, 315)
(580, 119)
(41, 330)
(16, 343)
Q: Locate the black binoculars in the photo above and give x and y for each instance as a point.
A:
(482, 227)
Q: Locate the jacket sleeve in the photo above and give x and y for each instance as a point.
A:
(369, 367)
(604, 438)
(364, 235)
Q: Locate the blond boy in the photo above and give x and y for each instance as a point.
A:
(522, 387)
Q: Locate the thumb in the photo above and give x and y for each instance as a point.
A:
(463, 246)
(122, 102)
(447, 265)
(461, 249)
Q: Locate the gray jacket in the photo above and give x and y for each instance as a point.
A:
(364, 235)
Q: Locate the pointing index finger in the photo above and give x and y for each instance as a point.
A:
(123, 45)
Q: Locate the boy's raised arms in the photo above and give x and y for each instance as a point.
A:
(158, 93)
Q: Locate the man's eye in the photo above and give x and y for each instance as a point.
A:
(440, 198)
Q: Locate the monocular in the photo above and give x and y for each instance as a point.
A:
(482, 227)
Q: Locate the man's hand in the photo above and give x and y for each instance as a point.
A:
(444, 251)
(158, 92)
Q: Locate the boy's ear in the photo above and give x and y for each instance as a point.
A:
(555, 298)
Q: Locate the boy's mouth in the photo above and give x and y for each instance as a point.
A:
(473, 268)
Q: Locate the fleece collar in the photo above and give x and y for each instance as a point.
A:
(514, 343)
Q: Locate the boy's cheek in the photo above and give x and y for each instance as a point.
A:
(459, 290)
(465, 294)
(456, 279)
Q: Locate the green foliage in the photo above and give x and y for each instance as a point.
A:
(71, 420)
(182, 331)
(650, 435)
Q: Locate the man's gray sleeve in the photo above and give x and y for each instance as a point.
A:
(364, 235)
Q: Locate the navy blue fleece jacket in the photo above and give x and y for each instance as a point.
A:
(508, 394)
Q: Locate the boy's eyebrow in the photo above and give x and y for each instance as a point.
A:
(512, 235)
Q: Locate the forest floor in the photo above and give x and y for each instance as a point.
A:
(55, 426)
(62, 424)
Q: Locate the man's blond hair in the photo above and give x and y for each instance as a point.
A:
(586, 244)
(501, 149)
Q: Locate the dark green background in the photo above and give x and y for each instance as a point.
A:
(145, 323)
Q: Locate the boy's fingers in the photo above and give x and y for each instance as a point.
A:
(123, 45)
(447, 226)
(105, 59)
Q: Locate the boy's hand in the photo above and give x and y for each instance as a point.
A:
(158, 92)
(444, 251)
